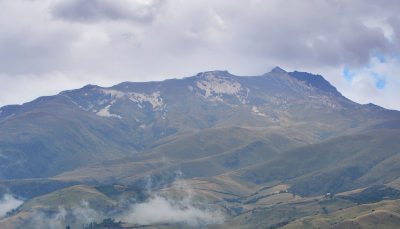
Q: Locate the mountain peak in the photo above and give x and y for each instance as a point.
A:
(316, 81)
(215, 72)
(277, 69)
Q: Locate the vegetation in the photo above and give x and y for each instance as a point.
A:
(107, 223)
(282, 150)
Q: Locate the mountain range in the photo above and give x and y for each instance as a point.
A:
(282, 149)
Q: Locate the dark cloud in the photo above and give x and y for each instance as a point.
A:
(394, 22)
(97, 10)
(310, 33)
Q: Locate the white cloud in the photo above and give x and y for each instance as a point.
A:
(8, 203)
(75, 216)
(171, 208)
(159, 210)
(378, 83)
(178, 204)
(40, 220)
(32, 86)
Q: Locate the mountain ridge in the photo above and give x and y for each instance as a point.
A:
(277, 69)
(129, 117)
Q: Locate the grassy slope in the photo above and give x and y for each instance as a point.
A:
(222, 150)
(334, 166)
(204, 153)
(70, 197)
(54, 136)
(383, 214)
(248, 205)
(102, 200)
(319, 212)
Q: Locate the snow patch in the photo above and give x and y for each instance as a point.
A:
(113, 93)
(140, 98)
(216, 86)
(154, 99)
(257, 112)
(213, 85)
(106, 113)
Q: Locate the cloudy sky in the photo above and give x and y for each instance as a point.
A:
(51, 45)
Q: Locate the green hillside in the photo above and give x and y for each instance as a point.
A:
(335, 165)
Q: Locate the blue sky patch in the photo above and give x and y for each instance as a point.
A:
(347, 74)
(381, 58)
(380, 81)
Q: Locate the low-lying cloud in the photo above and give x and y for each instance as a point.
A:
(160, 210)
(77, 215)
(44, 221)
(8, 203)
(175, 204)
(157, 210)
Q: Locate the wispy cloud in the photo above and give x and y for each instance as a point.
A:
(8, 203)
(176, 203)
(78, 215)
(165, 209)
(160, 210)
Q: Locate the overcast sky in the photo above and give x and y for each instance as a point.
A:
(47, 46)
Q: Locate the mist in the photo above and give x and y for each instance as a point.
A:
(8, 203)
(176, 205)
(74, 216)
(160, 210)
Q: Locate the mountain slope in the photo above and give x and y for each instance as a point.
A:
(263, 150)
(79, 127)
(51, 135)
(205, 153)
(335, 165)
